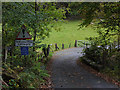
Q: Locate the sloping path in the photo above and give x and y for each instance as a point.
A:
(67, 74)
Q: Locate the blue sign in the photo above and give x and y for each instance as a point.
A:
(24, 50)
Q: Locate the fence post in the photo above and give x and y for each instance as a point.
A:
(62, 46)
(103, 58)
(69, 45)
(110, 47)
(44, 50)
(56, 47)
(48, 50)
(75, 43)
(84, 44)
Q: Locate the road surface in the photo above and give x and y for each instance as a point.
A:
(67, 74)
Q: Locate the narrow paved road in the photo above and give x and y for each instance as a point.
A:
(67, 74)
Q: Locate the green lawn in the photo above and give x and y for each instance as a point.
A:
(69, 33)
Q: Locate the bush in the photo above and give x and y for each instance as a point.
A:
(110, 60)
(27, 78)
(25, 71)
(32, 77)
(93, 53)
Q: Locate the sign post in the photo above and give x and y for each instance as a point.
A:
(24, 50)
(22, 35)
(22, 42)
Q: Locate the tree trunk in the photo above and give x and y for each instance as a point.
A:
(3, 44)
(3, 53)
(34, 39)
(35, 30)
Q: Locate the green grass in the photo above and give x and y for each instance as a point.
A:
(68, 33)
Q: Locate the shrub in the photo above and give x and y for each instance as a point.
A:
(93, 53)
(33, 76)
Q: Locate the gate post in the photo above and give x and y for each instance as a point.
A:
(62, 46)
(69, 45)
(75, 43)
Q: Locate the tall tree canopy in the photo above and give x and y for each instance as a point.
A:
(34, 15)
(107, 16)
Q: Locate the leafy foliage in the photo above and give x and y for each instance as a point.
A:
(26, 71)
(93, 53)
(33, 76)
(13, 19)
(107, 17)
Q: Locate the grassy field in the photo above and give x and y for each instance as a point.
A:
(68, 33)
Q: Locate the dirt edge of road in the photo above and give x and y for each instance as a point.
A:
(48, 85)
(49, 69)
(91, 70)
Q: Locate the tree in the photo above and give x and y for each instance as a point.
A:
(35, 16)
(107, 15)
(107, 18)
(26, 71)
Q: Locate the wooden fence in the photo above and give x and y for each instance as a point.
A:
(46, 50)
(78, 43)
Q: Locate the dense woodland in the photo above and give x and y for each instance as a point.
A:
(30, 71)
